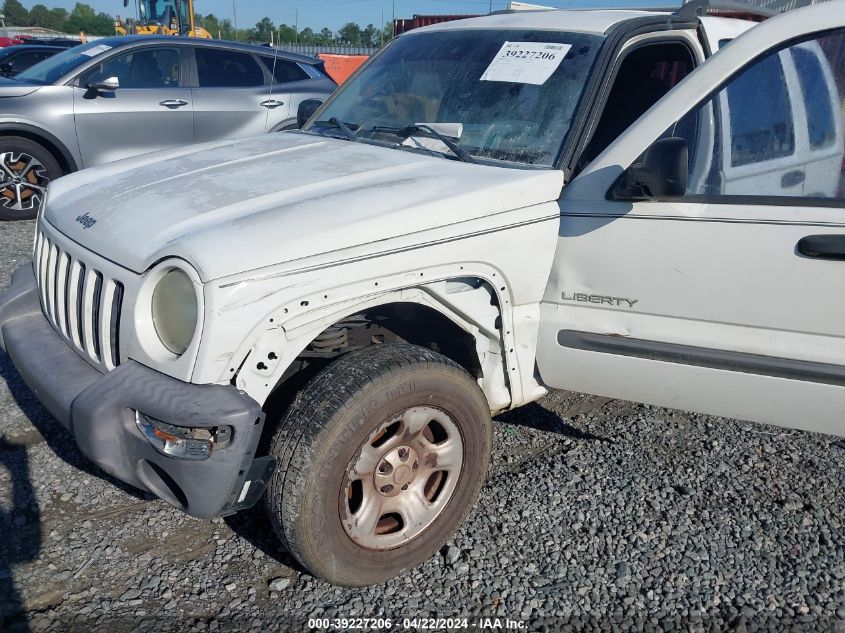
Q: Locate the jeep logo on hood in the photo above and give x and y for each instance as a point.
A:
(86, 221)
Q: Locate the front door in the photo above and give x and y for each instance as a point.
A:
(150, 110)
(727, 299)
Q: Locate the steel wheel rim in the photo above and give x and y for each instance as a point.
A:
(23, 181)
(401, 478)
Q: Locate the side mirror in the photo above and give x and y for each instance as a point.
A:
(307, 109)
(661, 175)
(105, 85)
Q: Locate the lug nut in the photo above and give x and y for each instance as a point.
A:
(384, 467)
(386, 489)
(403, 453)
(405, 487)
(416, 465)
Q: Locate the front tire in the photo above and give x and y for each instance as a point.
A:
(380, 459)
(26, 168)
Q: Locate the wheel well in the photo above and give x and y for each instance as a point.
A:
(60, 156)
(393, 323)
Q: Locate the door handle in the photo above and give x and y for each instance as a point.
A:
(174, 103)
(792, 178)
(823, 247)
(272, 103)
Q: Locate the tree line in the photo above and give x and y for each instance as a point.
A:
(350, 34)
(83, 18)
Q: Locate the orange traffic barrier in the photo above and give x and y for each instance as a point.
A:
(341, 67)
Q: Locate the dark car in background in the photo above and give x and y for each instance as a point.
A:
(123, 96)
(15, 59)
(60, 42)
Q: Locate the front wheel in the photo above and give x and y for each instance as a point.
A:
(380, 459)
(26, 168)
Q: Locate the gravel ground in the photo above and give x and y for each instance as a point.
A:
(598, 515)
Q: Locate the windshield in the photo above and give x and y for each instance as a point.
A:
(163, 11)
(52, 69)
(505, 95)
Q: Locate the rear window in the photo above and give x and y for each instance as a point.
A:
(283, 70)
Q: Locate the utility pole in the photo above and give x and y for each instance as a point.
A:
(393, 24)
(382, 28)
(491, 6)
(235, 12)
(297, 25)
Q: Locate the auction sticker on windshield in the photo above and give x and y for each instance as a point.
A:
(96, 50)
(526, 62)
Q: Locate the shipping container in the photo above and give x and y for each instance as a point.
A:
(409, 24)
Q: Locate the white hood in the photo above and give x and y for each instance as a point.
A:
(236, 206)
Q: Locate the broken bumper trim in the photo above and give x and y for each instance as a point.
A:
(100, 411)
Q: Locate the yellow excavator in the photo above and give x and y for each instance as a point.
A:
(161, 17)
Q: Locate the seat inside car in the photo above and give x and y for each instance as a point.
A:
(643, 78)
(145, 72)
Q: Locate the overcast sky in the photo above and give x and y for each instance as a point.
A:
(332, 13)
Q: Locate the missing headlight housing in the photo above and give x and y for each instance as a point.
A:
(195, 444)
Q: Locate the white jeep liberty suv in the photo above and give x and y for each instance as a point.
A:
(490, 208)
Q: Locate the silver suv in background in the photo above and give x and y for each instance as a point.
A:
(124, 96)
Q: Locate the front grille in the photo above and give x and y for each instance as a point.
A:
(82, 303)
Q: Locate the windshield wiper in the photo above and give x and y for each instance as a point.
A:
(414, 130)
(340, 125)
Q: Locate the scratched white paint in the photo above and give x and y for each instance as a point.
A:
(290, 233)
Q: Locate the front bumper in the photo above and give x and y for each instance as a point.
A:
(100, 411)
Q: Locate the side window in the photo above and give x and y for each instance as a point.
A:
(644, 76)
(777, 128)
(145, 68)
(217, 68)
(760, 114)
(284, 70)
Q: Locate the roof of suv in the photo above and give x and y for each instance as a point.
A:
(597, 21)
(126, 40)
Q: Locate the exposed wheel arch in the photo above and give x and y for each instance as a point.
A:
(423, 326)
(460, 318)
(389, 323)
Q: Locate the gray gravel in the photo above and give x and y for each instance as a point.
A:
(598, 515)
